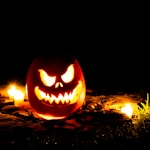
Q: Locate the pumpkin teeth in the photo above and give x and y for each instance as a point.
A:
(67, 98)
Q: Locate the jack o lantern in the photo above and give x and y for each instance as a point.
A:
(55, 86)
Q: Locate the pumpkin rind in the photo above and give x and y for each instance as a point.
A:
(57, 99)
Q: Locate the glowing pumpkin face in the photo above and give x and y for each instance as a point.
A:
(55, 86)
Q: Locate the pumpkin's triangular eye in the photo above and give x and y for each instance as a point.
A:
(46, 79)
(69, 74)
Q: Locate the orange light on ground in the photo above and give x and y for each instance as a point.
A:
(18, 98)
(11, 92)
(17, 95)
(127, 109)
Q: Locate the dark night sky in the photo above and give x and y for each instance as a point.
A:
(111, 49)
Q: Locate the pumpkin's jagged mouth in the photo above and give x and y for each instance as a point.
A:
(61, 99)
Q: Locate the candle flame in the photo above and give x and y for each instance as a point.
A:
(16, 94)
(127, 109)
(11, 92)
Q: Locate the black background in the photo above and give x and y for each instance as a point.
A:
(112, 46)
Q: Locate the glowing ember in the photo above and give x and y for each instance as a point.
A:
(127, 109)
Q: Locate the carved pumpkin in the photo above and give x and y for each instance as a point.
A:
(55, 86)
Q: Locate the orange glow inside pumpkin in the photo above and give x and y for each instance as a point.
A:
(50, 80)
(49, 117)
(68, 75)
(61, 98)
(66, 98)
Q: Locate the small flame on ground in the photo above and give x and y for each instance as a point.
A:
(127, 109)
(17, 95)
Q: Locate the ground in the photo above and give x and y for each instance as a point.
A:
(98, 123)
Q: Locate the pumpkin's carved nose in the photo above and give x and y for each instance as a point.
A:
(58, 84)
